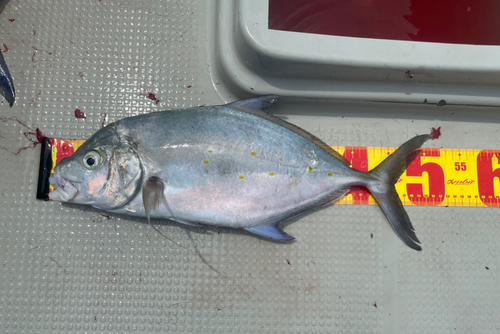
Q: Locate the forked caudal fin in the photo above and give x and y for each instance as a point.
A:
(384, 177)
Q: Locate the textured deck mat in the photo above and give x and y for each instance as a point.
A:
(65, 269)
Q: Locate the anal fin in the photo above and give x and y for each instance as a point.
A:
(270, 231)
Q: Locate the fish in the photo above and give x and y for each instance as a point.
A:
(234, 165)
(6, 83)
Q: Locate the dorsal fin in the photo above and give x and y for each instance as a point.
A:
(258, 105)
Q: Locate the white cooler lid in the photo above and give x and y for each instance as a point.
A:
(257, 60)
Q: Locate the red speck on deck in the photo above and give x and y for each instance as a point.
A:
(287, 261)
(79, 114)
(12, 20)
(5, 48)
(375, 304)
(34, 53)
(435, 133)
(189, 86)
(152, 97)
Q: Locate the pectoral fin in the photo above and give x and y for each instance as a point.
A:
(152, 194)
(270, 231)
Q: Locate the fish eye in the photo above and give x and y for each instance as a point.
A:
(91, 159)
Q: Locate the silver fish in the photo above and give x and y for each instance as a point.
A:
(233, 165)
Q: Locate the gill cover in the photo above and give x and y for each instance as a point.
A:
(124, 178)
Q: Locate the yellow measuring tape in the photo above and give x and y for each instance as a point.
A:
(437, 177)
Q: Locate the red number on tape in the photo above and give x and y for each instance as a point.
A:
(436, 180)
(486, 177)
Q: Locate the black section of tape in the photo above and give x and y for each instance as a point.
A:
(42, 191)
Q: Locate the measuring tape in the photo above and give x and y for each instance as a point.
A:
(437, 177)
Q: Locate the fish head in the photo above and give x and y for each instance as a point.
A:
(105, 172)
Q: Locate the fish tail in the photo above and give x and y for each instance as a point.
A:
(382, 185)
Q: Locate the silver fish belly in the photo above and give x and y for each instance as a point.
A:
(233, 166)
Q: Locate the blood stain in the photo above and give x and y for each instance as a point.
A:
(34, 54)
(5, 48)
(435, 133)
(288, 262)
(152, 97)
(35, 136)
(192, 86)
(79, 114)
(108, 217)
(375, 304)
(39, 136)
(12, 20)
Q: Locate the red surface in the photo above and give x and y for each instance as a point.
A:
(358, 157)
(79, 114)
(486, 176)
(436, 179)
(443, 21)
(63, 147)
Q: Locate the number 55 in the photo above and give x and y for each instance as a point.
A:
(460, 166)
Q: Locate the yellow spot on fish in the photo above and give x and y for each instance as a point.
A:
(271, 174)
(206, 162)
(310, 168)
(241, 177)
(210, 151)
(330, 174)
(253, 153)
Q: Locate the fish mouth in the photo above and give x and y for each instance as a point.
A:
(64, 191)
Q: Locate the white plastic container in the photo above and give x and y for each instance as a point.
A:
(254, 59)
